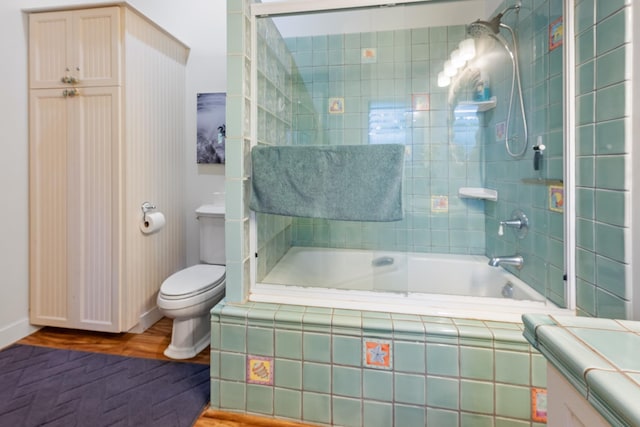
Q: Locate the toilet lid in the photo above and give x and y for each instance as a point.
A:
(192, 280)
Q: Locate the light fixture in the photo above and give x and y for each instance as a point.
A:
(467, 49)
(449, 69)
(456, 59)
(443, 79)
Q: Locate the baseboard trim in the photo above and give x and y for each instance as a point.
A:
(146, 320)
(15, 331)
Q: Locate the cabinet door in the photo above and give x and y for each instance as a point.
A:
(93, 208)
(96, 34)
(48, 199)
(73, 208)
(50, 48)
(75, 48)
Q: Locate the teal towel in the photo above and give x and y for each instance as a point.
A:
(343, 182)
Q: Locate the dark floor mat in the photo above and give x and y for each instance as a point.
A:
(42, 386)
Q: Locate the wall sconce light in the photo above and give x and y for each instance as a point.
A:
(465, 52)
(456, 59)
(449, 69)
(467, 49)
(443, 79)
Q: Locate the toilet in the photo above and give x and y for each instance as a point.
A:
(188, 295)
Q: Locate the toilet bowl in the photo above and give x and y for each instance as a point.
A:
(187, 297)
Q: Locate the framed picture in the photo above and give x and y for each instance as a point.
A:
(211, 127)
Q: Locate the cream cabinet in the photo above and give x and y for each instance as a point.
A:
(99, 149)
(567, 407)
(79, 47)
(74, 201)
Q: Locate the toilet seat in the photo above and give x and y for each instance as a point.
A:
(192, 281)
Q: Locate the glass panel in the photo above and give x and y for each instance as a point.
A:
(377, 76)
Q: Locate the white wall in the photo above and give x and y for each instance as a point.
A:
(201, 24)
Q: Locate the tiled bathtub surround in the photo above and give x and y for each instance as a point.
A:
(353, 368)
(519, 185)
(598, 357)
(302, 74)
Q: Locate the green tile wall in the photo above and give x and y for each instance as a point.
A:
(519, 185)
(331, 66)
(603, 149)
(452, 372)
(358, 395)
(237, 170)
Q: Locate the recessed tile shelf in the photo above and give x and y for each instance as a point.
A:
(482, 105)
(478, 193)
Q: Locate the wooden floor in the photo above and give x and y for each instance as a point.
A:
(150, 344)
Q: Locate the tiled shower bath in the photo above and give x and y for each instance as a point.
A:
(351, 368)
(310, 363)
(385, 84)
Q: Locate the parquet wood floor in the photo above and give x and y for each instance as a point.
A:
(150, 344)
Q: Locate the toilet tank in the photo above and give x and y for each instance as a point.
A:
(211, 222)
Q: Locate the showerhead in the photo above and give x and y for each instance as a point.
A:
(480, 28)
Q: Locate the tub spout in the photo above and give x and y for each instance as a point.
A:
(515, 260)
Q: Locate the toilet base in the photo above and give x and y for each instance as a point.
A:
(189, 337)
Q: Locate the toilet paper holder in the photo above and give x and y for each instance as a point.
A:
(146, 207)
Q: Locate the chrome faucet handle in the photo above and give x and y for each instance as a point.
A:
(519, 222)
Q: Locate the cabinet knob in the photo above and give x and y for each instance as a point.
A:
(70, 93)
(69, 80)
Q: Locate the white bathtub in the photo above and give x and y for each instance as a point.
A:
(426, 284)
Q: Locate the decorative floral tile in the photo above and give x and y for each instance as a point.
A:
(556, 33)
(369, 55)
(556, 198)
(539, 405)
(336, 105)
(260, 370)
(421, 101)
(439, 204)
(377, 354)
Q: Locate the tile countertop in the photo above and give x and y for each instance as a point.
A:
(599, 357)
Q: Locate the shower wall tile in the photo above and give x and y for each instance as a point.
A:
(443, 392)
(424, 381)
(611, 137)
(608, 34)
(287, 403)
(611, 67)
(316, 407)
(377, 414)
(585, 46)
(609, 306)
(288, 343)
(347, 412)
(409, 415)
(584, 15)
(511, 401)
(347, 381)
(476, 396)
(611, 276)
(232, 395)
(610, 173)
(259, 399)
(405, 59)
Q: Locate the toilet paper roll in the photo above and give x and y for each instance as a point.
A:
(152, 222)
